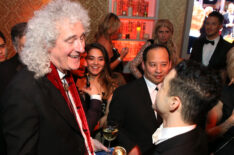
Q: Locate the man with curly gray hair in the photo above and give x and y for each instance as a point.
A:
(41, 110)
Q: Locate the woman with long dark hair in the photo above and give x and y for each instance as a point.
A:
(99, 74)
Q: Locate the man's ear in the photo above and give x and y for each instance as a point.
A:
(220, 26)
(170, 65)
(175, 103)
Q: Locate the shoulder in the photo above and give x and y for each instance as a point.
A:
(199, 40)
(150, 41)
(118, 79)
(132, 86)
(80, 83)
(103, 41)
(22, 83)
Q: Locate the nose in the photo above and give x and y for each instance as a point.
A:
(80, 46)
(158, 69)
(95, 61)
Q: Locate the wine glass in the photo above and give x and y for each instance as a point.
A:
(110, 131)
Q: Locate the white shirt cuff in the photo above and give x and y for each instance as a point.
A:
(97, 97)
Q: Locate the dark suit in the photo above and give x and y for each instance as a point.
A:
(36, 119)
(218, 59)
(8, 69)
(191, 143)
(131, 106)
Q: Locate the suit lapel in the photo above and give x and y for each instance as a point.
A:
(216, 53)
(145, 98)
(57, 102)
(144, 91)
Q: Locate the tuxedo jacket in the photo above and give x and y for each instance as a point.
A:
(193, 142)
(36, 119)
(218, 59)
(131, 107)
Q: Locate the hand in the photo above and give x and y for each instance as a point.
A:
(231, 82)
(231, 119)
(135, 151)
(92, 90)
(102, 121)
(124, 52)
(98, 146)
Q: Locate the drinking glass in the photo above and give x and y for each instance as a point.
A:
(110, 131)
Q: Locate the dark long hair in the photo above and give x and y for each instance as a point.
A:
(105, 76)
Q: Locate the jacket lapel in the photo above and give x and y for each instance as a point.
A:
(145, 98)
(56, 101)
(216, 53)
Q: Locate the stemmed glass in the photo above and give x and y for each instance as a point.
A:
(110, 131)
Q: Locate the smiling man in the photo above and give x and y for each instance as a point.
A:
(211, 50)
(131, 105)
(41, 110)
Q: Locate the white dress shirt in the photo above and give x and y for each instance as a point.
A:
(208, 51)
(163, 134)
(153, 93)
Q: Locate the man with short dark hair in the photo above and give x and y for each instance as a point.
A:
(188, 92)
(10, 67)
(18, 36)
(131, 105)
(211, 50)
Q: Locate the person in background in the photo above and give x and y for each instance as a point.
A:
(41, 111)
(187, 93)
(108, 30)
(100, 75)
(228, 23)
(3, 57)
(207, 10)
(11, 66)
(220, 122)
(3, 49)
(131, 105)
(163, 33)
(211, 50)
(18, 36)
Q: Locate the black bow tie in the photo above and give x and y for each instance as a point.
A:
(209, 41)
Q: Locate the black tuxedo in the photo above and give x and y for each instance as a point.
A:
(190, 143)
(218, 59)
(131, 106)
(36, 119)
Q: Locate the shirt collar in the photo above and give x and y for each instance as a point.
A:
(61, 74)
(151, 86)
(216, 40)
(162, 134)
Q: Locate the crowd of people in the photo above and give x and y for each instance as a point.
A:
(57, 93)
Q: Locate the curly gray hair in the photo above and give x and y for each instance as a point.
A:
(42, 33)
